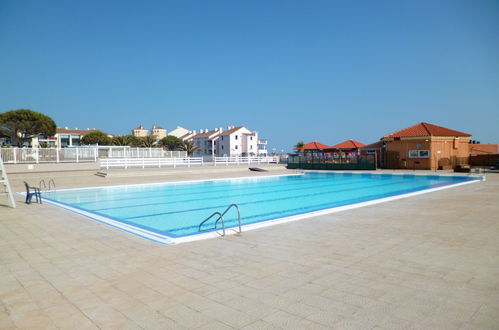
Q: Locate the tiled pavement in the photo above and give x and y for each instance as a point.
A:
(425, 262)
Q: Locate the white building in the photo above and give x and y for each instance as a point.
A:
(206, 141)
(235, 141)
(63, 137)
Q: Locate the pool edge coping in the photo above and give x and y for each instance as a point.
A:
(168, 240)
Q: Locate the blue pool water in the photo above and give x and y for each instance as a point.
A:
(176, 209)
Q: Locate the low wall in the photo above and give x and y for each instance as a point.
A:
(51, 167)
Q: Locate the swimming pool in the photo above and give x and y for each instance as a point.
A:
(171, 212)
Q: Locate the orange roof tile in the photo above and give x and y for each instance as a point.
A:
(313, 146)
(425, 129)
(348, 144)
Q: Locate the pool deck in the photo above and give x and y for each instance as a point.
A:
(426, 262)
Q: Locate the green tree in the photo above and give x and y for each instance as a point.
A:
(23, 124)
(96, 137)
(148, 142)
(133, 141)
(299, 145)
(171, 143)
(189, 147)
(122, 140)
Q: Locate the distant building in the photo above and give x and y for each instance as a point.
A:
(158, 132)
(63, 137)
(235, 141)
(140, 131)
(206, 142)
(179, 132)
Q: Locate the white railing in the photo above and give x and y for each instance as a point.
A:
(48, 155)
(84, 154)
(150, 162)
(245, 160)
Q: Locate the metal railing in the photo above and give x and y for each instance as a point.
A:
(245, 160)
(44, 185)
(221, 217)
(150, 162)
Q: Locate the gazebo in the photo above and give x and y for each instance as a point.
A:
(347, 147)
(313, 147)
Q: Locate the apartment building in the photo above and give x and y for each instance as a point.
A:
(158, 132)
(140, 131)
(235, 141)
(63, 137)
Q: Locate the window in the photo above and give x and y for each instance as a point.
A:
(251, 138)
(222, 137)
(251, 147)
(370, 152)
(236, 147)
(419, 153)
(236, 137)
(222, 147)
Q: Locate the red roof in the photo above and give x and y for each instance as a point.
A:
(348, 144)
(313, 146)
(425, 129)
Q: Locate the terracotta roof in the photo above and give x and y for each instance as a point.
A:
(232, 130)
(140, 127)
(375, 145)
(157, 127)
(348, 144)
(74, 131)
(425, 129)
(313, 146)
(206, 134)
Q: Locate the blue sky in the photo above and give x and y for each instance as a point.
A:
(293, 70)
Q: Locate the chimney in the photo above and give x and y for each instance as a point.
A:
(220, 129)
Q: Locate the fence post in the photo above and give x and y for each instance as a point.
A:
(14, 150)
(226, 161)
(174, 162)
(188, 161)
(37, 155)
(57, 154)
(95, 154)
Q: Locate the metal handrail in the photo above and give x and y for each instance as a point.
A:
(227, 210)
(51, 181)
(40, 184)
(221, 217)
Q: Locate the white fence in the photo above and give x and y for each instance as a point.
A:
(48, 155)
(129, 152)
(150, 162)
(245, 160)
(78, 155)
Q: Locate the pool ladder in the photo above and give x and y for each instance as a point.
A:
(221, 217)
(51, 183)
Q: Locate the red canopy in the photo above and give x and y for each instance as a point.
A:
(348, 144)
(313, 146)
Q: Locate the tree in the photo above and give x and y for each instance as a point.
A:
(299, 146)
(122, 140)
(96, 137)
(148, 142)
(189, 147)
(133, 141)
(23, 124)
(171, 143)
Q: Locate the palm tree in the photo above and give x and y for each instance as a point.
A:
(299, 146)
(189, 147)
(148, 142)
(122, 140)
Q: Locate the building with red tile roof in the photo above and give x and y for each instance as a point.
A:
(347, 145)
(425, 146)
(313, 146)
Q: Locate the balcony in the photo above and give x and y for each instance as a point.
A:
(263, 142)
